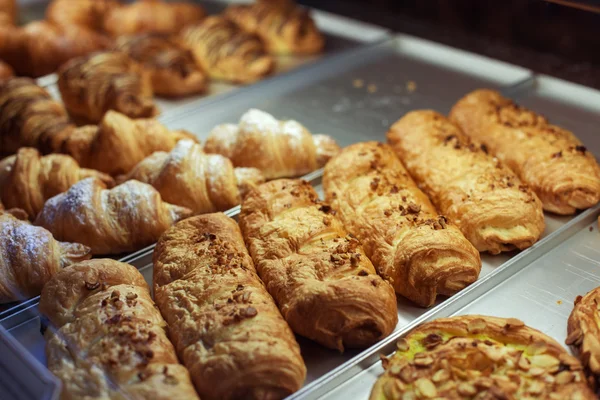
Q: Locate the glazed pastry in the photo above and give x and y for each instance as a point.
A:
(551, 160)
(277, 148)
(152, 17)
(29, 257)
(418, 251)
(284, 28)
(27, 179)
(484, 198)
(584, 331)
(6, 71)
(123, 219)
(225, 326)
(325, 286)
(190, 178)
(8, 12)
(227, 52)
(85, 13)
(478, 357)
(172, 68)
(107, 340)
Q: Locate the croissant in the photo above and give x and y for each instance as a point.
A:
(484, 198)
(478, 357)
(225, 326)
(29, 257)
(123, 219)
(107, 340)
(6, 71)
(172, 68)
(584, 331)
(551, 160)
(421, 253)
(226, 52)
(277, 148)
(190, 178)
(152, 17)
(85, 13)
(8, 12)
(325, 286)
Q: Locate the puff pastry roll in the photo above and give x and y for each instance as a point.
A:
(478, 357)
(123, 219)
(418, 251)
(107, 340)
(29, 257)
(227, 52)
(85, 13)
(325, 286)
(551, 160)
(92, 85)
(583, 331)
(6, 71)
(484, 198)
(225, 326)
(276, 148)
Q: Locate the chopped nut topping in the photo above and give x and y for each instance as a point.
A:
(557, 154)
(564, 377)
(466, 389)
(514, 323)
(402, 344)
(476, 325)
(426, 388)
(431, 341)
(374, 184)
(407, 374)
(441, 375)
(581, 149)
(536, 348)
(414, 208)
(422, 360)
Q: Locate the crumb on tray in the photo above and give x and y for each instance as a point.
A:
(411, 86)
(372, 88)
(358, 83)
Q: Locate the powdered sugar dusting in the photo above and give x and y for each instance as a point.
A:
(295, 132)
(227, 135)
(258, 121)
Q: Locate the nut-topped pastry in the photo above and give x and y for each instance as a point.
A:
(584, 330)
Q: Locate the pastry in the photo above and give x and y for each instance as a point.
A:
(224, 324)
(484, 198)
(123, 219)
(6, 71)
(248, 179)
(190, 178)
(226, 52)
(27, 179)
(8, 12)
(172, 68)
(325, 286)
(549, 159)
(106, 339)
(85, 13)
(277, 148)
(417, 250)
(583, 331)
(478, 357)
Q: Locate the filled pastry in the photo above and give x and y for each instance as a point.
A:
(277, 148)
(420, 252)
(6, 71)
(225, 326)
(484, 198)
(324, 284)
(549, 159)
(478, 357)
(583, 331)
(106, 339)
(85, 13)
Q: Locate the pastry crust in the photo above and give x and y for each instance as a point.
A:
(583, 331)
(484, 198)
(325, 286)
(224, 324)
(6, 71)
(123, 219)
(418, 251)
(107, 340)
(479, 357)
(551, 160)
(85, 13)
(8, 12)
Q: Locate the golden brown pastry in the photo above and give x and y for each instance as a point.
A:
(6, 71)
(29, 257)
(226, 52)
(85, 13)
(551, 160)
(418, 251)
(325, 286)
(484, 198)
(479, 357)
(107, 339)
(172, 68)
(583, 331)
(123, 219)
(225, 326)
(277, 148)
(248, 179)
(8, 12)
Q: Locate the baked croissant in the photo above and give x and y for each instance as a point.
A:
(107, 340)
(123, 219)
(225, 326)
(92, 85)
(277, 148)
(484, 198)
(285, 29)
(190, 178)
(8, 12)
(551, 160)
(172, 68)
(478, 357)
(226, 52)
(85, 13)
(325, 286)
(583, 331)
(27, 179)
(421, 253)
(152, 17)
(29, 257)
(6, 71)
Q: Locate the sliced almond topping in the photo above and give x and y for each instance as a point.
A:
(549, 379)
(544, 361)
(564, 377)
(459, 373)
(425, 388)
(484, 382)
(409, 396)
(536, 387)
(536, 371)
(391, 389)
(441, 375)
(476, 325)
(570, 361)
(514, 323)
(524, 363)
(394, 369)
(466, 389)
(423, 361)
(402, 345)
(536, 348)
(493, 353)
(407, 374)
(573, 337)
